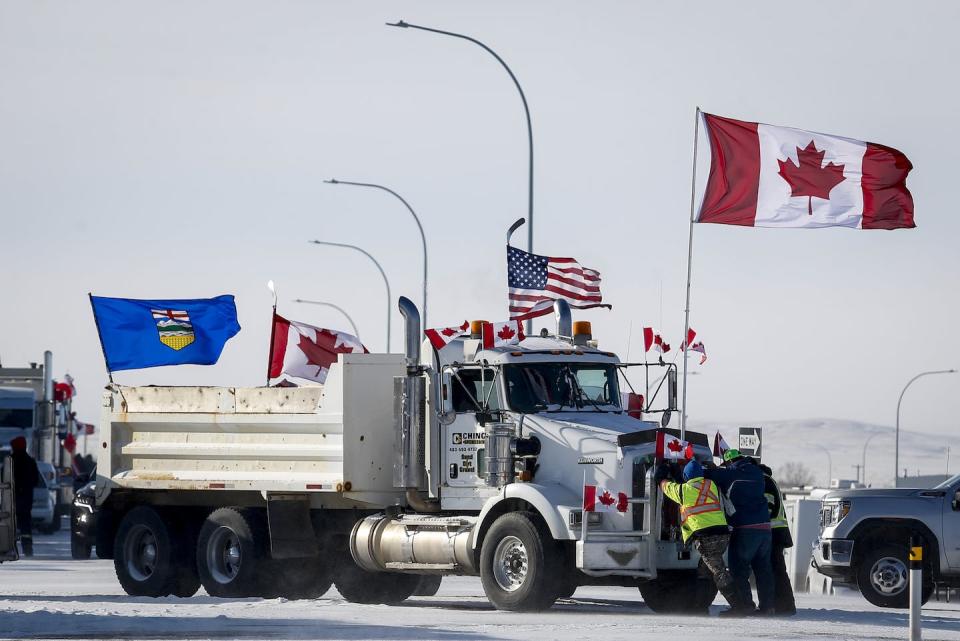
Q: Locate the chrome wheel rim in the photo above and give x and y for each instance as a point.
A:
(224, 555)
(889, 576)
(140, 551)
(510, 563)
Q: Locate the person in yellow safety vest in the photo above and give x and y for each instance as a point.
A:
(783, 601)
(703, 521)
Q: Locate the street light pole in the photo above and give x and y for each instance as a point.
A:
(896, 447)
(336, 307)
(526, 111)
(423, 237)
(829, 462)
(863, 458)
(382, 273)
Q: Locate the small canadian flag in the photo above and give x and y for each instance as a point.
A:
(672, 448)
(502, 334)
(654, 341)
(599, 499)
(441, 336)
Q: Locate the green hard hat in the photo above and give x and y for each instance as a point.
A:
(730, 454)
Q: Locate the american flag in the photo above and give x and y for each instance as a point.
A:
(536, 281)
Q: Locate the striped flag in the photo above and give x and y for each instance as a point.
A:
(536, 281)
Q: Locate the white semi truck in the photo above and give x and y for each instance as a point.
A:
(462, 460)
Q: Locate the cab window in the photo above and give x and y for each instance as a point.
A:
(479, 385)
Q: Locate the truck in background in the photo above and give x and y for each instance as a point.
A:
(464, 460)
(30, 408)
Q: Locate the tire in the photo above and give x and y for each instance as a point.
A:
(679, 592)
(882, 576)
(230, 552)
(144, 557)
(568, 590)
(298, 578)
(520, 564)
(359, 586)
(429, 585)
(79, 550)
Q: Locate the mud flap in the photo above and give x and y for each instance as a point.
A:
(291, 530)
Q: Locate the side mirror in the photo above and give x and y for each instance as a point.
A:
(955, 504)
(665, 419)
(445, 397)
(672, 389)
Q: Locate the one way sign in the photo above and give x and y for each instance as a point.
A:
(750, 441)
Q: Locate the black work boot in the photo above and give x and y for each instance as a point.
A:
(739, 606)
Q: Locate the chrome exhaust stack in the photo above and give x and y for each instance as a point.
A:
(564, 320)
(410, 416)
(411, 333)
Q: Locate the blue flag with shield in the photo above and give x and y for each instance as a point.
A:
(149, 333)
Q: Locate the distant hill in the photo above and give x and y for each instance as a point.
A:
(798, 440)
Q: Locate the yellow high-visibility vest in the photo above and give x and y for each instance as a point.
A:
(699, 501)
(780, 520)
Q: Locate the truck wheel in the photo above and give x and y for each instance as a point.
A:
(681, 592)
(359, 586)
(429, 585)
(144, 558)
(882, 576)
(78, 549)
(228, 554)
(519, 568)
(299, 578)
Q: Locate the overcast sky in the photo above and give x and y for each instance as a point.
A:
(178, 149)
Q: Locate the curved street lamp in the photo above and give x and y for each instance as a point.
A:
(526, 111)
(863, 458)
(382, 273)
(829, 462)
(336, 307)
(423, 237)
(896, 448)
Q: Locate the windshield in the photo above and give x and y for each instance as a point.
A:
(539, 387)
(948, 483)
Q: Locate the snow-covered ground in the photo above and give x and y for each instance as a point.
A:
(52, 596)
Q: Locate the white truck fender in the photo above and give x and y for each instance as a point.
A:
(553, 502)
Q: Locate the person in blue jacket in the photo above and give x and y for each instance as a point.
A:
(742, 483)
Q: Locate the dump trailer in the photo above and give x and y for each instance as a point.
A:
(400, 469)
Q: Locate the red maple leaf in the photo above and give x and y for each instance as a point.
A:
(506, 333)
(449, 331)
(811, 178)
(621, 502)
(675, 445)
(321, 353)
(606, 498)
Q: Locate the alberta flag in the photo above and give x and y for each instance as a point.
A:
(149, 333)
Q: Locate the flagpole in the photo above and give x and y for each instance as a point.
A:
(103, 350)
(273, 329)
(686, 312)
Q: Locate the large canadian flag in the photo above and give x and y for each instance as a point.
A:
(305, 351)
(768, 176)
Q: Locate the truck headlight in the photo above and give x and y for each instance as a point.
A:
(832, 512)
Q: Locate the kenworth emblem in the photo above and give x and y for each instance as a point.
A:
(590, 460)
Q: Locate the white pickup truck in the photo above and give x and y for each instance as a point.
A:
(466, 461)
